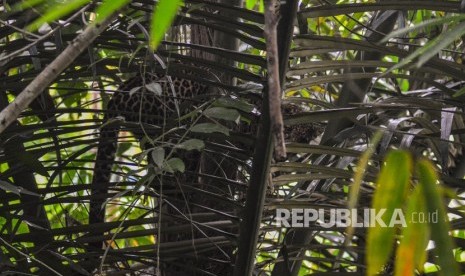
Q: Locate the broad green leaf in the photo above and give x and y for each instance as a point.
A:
(174, 165)
(57, 12)
(227, 114)
(30, 120)
(428, 179)
(192, 144)
(392, 187)
(210, 128)
(234, 103)
(411, 252)
(162, 18)
(261, 7)
(158, 156)
(250, 4)
(108, 7)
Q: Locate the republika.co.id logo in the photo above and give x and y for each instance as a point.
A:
(340, 217)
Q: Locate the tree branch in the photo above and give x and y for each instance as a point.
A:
(51, 72)
(274, 83)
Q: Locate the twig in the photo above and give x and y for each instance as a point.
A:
(53, 70)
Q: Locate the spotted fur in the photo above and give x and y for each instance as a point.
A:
(135, 102)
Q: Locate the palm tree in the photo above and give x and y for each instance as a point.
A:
(195, 193)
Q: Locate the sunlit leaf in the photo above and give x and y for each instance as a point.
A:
(57, 12)
(108, 7)
(250, 4)
(428, 179)
(392, 188)
(163, 16)
(411, 253)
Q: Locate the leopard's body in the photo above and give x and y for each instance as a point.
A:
(145, 98)
(149, 99)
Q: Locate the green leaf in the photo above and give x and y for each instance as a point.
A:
(108, 7)
(250, 4)
(411, 252)
(227, 114)
(391, 191)
(158, 156)
(174, 165)
(459, 93)
(192, 144)
(57, 12)
(428, 179)
(162, 18)
(210, 128)
(234, 103)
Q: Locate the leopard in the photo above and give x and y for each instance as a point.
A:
(149, 98)
(146, 98)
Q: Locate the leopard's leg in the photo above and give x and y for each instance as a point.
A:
(101, 179)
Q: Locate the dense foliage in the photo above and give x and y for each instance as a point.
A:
(177, 197)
